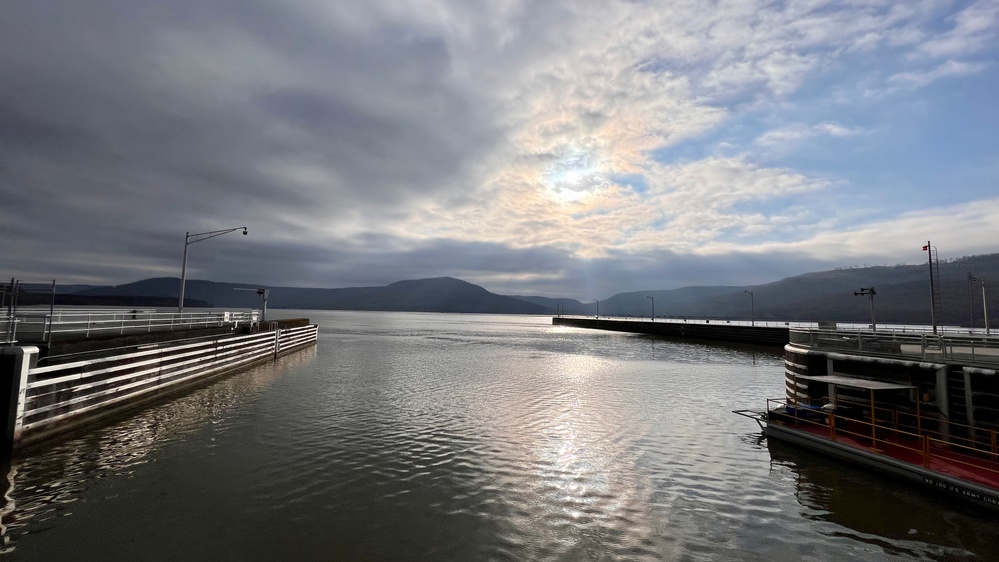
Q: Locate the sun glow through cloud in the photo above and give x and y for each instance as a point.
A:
(574, 176)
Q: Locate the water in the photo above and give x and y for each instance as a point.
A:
(470, 437)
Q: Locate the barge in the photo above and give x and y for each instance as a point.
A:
(919, 407)
(65, 369)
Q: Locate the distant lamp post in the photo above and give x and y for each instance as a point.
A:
(191, 239)
(985, 306)
(598, 308)
(971, 300)
(262, 293)
(871, 292)
(752, 307)
(558, 308)
(930, 250)
(653, 308)
(971, 294)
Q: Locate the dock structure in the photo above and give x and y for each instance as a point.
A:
(955, 372)
(63, 369)
(923, 407)
(771, 336)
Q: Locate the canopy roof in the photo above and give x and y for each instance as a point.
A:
(856, 383)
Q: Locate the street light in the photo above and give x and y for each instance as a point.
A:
(871, 292)
(558, 308)
(930, 250)
(653, 308)
(262, 293)
(985, 306)
(598, 308)
(752, 307)
(971, 296)
(191, 239)
(971, 299)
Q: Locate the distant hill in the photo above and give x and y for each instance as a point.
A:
(32, 298)
(903, 296)
(568, 306)
(442, 294)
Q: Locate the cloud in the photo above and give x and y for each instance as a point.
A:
(919, 79)
(798, 132)
(975, 28)
(386, 140)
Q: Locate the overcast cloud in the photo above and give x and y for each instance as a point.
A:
(557, 148)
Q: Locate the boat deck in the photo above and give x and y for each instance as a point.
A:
(953, 460)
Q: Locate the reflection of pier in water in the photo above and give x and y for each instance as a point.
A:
(44, 481)
(870, 507)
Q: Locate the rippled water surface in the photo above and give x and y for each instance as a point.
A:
(468, 437)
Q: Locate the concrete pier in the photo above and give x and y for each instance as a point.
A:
(755, 335)
(42, 395)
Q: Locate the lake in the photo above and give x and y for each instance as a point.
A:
(405, 436)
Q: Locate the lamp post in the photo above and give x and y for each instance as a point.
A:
(598, 308)
(653, 308)
(928, 248)
(871, 292)
(971, 299)
(752, 307)
(191, 239)
(558, 308)
(262, 293)
(985, 306)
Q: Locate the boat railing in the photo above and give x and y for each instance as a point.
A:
(970, 349)
(43, 325)
(896, 431)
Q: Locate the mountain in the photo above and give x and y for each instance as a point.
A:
(60, 289)
(442, 294)
(567, 306)
(26, 297)
(903, 296)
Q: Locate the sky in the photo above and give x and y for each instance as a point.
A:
(555, 148)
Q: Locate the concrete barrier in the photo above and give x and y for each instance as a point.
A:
(756, 335)
(42, 401)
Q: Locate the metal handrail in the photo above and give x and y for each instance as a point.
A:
(971, 349)
(920, 425)
(42, 325)
(8, 329)
(923, 437)
(945, 445)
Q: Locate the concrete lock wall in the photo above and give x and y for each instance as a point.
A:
(755, 335)
(47, 400)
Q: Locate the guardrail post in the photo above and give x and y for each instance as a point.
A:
(15, 363)
(277, 343)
